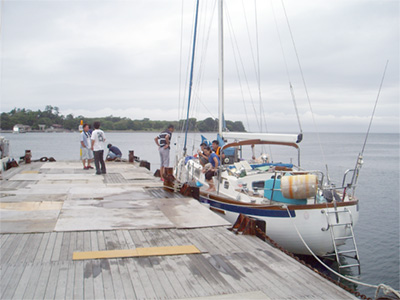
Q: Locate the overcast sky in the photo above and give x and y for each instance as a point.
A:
(124, 58)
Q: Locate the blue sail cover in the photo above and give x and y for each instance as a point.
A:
(228, 151)
(204, 140)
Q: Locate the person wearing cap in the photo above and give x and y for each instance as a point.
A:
(113, 152)
(87, 153)
(163, 141)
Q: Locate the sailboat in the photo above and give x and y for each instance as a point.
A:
(303, 211)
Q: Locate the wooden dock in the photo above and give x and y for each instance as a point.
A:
(51, 210)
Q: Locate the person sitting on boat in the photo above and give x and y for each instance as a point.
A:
(216, 148)
(211, 168)
(113, 152)
(202, 157)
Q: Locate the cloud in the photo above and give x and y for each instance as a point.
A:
(123, 58)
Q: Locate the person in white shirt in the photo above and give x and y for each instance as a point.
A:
(98, 145)
(87, 154)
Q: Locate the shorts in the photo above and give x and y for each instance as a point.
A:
(87, 154)
(209, 174)
(164, 156)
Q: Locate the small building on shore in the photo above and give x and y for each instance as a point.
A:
(20, 128)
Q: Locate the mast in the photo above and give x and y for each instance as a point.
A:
(221, 67)
(191, 76)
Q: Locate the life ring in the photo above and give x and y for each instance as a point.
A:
(44, 159)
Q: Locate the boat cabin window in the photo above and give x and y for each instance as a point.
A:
(259, 185)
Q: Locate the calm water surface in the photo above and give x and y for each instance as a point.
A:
(377, 232)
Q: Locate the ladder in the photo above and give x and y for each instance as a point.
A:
(343, 218)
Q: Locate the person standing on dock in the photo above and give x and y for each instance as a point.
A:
(163, 141)
(98, 146)
(87, 154)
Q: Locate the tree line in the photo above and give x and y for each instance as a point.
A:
(51, 116)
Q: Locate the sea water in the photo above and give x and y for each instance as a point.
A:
(377, 231)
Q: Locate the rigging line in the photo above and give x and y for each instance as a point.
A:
(305, 87)
(194, 87)
(206, 40)
(322, 263)
(243, 68)
(262, 111)
(191, 76)
(256, 66)
(263, 118)
(182, 108)
(295, 106)
(286, 66)
(239, 79)
(201, 71)
(376, 102)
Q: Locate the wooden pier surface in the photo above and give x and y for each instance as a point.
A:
(51, 210)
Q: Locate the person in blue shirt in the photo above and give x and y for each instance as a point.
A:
(113, 152)
(211, 168)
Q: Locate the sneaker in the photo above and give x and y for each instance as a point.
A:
(90, 167)
(98, 173)
(104, 172)
(86, 168)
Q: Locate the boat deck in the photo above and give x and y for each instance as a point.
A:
(51, 210)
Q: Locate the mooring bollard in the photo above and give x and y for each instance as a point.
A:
(168, 178)
(28, 156)
(131, 156)
(145, 164)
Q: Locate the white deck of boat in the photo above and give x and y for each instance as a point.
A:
(50, 210)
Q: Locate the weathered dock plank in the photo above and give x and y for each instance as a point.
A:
(98, 287)
(62, 280)
(138, 213)
(64, 251)
(79, 280)
(8, 252)
(116, 279)
(41, 285)
(51, 286)
(23, 282)
(69, 287)
(32, 282)
(108, 286)
(88, 286)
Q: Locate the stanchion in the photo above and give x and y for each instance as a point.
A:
(28, 156)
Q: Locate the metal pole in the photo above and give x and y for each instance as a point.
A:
(191, 77)
(221, 67)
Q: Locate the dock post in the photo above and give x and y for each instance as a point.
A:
(131, 156)
(28, 156)
(169, 178)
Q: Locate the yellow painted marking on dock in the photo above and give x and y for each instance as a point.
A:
(29, 172)
(30, 206)
(152, 251)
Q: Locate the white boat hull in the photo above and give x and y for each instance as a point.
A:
(311, 224)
